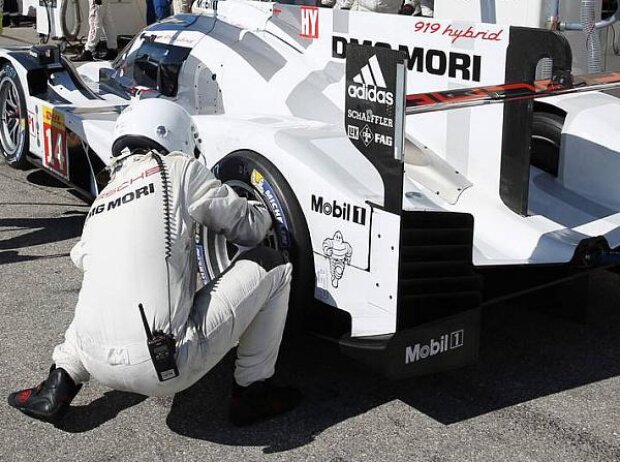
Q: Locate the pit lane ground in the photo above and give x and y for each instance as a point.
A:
(545, 389)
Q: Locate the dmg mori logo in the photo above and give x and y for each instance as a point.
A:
(444, 343)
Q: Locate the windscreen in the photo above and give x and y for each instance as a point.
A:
(147, 65)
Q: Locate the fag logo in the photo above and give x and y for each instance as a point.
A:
(445, 343)
(369, 85)
(309, 22)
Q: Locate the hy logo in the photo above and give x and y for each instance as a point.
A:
(309, 22)
(369, 84)
(445, 343)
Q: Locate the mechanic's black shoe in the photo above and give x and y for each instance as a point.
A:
(48, 400)
(15, 21)
(105, 54)
(85, 55)
(261, 401)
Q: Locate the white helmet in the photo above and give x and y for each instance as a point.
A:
(155, 123)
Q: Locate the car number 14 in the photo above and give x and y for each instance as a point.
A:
(55, 142)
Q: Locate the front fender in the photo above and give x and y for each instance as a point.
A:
(21, 61)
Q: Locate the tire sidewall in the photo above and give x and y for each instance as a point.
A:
(546, 135)
(18, 159)
(548, 125)
(291, 229)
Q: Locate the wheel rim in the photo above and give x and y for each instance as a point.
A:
(11, 126)
(221, 253)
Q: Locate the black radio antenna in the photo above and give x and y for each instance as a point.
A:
(149, 335)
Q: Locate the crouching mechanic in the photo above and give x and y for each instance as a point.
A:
(137, 248)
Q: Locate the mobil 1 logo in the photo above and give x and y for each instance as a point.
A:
(373, 100)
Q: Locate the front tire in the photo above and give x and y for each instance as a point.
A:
(254, 177)
(14, 141)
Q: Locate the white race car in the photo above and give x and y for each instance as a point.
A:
(399, 246)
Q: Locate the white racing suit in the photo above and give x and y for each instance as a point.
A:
(181, 6)
(100, 23)
(122, 254)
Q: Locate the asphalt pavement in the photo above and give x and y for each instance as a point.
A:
(545, 389)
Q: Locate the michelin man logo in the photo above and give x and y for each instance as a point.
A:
(339, 253)
(258, 181)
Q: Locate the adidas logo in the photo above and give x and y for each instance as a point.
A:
(368, 83)
(371, 74)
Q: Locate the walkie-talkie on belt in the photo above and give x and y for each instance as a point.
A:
(161, 347)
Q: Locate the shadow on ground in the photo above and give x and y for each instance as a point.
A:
(38, 230)
(42, 178)
(525, 355)
(85, 418)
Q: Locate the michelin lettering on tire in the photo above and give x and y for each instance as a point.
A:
(201, 256)
(257, 179)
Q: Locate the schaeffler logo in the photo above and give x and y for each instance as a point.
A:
(445, 343)
(368, 84)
